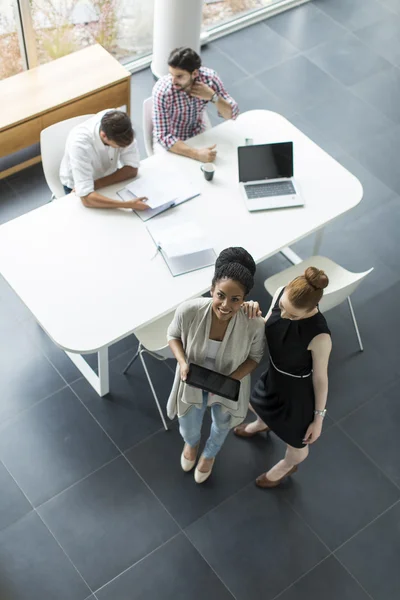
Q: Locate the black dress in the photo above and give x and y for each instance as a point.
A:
(285, 403)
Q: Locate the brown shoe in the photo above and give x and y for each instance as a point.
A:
(264, 482)
(240, 431)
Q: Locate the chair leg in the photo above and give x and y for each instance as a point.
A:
(355, 324)
(130, 363)
(153, 391)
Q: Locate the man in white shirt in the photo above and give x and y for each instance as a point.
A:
(99, 152)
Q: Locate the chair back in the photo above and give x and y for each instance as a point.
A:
(52, 147)
(339, 290)
(154, 336)
(147, 123)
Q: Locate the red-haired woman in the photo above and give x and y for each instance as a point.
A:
(290, 397)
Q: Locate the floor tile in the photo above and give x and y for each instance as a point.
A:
(329, 581)
(12, 303)
(379, 155)
(228, 70)
(129, 413)
(107, 522)
(250, 94)
(177, 569)
(57, 357)
(393, 5)
(63, 443)
(354, 13)
(8, 200)
(299, 84)
(327, 489)
(31, 189)
(305, 26)
(26, 374)
(355, 377)
(13, 503)
(384, 38)
(381, 90)
(375, 428)
(256, 544)
(307, 127)
(373, 556)
(158, 462)
(347, 59)
(348, 121)
(34, 566)
(381, 326)
(260, 48)
(142, 84)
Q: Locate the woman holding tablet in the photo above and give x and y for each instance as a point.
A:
(214, 333)
(290, 397)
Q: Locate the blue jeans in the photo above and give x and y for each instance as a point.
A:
(67, 190)
(190, 427)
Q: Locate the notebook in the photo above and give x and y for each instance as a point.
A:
(183, 244)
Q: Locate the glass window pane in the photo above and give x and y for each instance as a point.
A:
(123, 27)
(216, 12)
(10, 54)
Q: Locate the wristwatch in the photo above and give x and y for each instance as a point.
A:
(320, 413)
(214, 98)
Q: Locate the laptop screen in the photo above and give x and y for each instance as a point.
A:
(265, 161)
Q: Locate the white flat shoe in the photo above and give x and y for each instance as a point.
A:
(187, 465)
(201, 477)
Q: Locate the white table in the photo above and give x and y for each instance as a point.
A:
(90, 277)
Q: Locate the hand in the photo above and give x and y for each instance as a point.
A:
(138, 203)
(313, 432)
(207, 155)
(202, 91)
(184, 368)
(251, 309)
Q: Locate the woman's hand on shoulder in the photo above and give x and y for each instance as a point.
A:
(252, 309)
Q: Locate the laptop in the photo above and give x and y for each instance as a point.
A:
(266, 176)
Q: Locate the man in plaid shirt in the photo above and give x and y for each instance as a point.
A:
(179, 102)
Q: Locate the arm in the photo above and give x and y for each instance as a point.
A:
(251, 308)
(126, 172)
(96, 200)
(179, 353)
(320, 347)
(227, 107)
(247, 367)
(82, 174)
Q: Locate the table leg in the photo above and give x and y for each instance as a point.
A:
(99, 382)
(318, 240)
(291, 255)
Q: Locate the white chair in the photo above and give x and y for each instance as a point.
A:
(52, 147)
(152, 339)
(342, 284)
(147, 125)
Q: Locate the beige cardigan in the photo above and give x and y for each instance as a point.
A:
(244, 338)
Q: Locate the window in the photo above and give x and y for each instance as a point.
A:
(122, 27)
(217, 12)
(10, 55)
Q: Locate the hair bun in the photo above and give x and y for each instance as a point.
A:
(317, 278)
(238, 255)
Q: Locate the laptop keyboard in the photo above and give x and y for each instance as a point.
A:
(265, 190)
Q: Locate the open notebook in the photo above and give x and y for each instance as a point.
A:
(183, 244)
(165, 190)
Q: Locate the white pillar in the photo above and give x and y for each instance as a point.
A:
(176, 23)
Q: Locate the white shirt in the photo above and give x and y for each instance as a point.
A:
(87, 158)
(211, 353)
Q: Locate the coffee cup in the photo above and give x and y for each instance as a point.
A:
(208, 171)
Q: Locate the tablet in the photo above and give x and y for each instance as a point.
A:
(211, 381)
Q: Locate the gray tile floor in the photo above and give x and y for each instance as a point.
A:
(93, 503)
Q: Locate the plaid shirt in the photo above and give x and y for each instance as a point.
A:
(179, 116)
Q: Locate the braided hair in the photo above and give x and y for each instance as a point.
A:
(237, 264)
